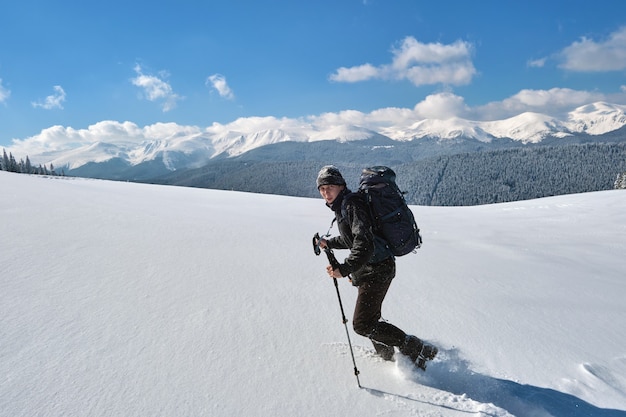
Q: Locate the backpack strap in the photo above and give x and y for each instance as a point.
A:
(381, 248)
(349, 198)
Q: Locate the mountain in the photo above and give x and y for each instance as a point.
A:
(442, 162)
(529, 128)
(192, 147)
(597, 118)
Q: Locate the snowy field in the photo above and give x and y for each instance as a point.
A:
(122, 299)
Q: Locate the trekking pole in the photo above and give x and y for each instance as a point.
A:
(335, 264)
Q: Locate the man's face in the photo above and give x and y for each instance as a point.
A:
(330, 192)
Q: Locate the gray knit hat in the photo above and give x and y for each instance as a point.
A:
(330, 175)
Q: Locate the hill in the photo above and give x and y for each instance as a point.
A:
(134, 299)
(457, 179)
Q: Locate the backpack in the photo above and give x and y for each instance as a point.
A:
(392, 218)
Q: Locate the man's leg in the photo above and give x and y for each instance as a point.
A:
(367, 314)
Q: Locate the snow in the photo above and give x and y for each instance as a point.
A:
(123, 299)
(597, 118)
(183, 146)
(527, 127)
(451, 128)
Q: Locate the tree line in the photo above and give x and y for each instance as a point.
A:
(449, 180)
(24, 166)
(462, 179)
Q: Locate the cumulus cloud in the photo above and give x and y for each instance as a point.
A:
(444, 105)
(156, 89)
(54, 101)
(588, 55)
(218, 82)
(436, 106)
(554, 102)
(420, 63)
(4, 93)
(356, 74)
(61, 138)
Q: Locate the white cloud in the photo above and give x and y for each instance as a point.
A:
(61, 138)
(537, 63)
(442, 106)
(355, 74)
(54, 101)
(156, 89)
(436, 106)
(419, 63)
(554, 102)
(588, 55)
(218, 82)
(4, 93)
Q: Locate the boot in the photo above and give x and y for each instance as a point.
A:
(418, 351)
(429, 352)
(384, 351)
(412, 347)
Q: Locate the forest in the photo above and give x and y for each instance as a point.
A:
(463, 179)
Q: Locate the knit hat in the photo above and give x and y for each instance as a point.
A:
(330, 175)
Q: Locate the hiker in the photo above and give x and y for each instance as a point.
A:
(370, 267)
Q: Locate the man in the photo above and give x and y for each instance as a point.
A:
(370, 267)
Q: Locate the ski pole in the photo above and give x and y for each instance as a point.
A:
(335, 264)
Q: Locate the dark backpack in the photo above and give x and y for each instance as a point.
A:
(392, 218)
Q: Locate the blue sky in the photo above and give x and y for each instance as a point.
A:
(196, 63)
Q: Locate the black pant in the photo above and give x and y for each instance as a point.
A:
(367, 314)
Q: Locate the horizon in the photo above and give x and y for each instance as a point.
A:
(73, 68)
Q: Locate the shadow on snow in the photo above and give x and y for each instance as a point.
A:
(453, 375)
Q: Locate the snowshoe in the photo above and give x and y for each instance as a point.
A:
(418, 351)
(428, 354)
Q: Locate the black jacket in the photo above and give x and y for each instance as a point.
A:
(355, 233)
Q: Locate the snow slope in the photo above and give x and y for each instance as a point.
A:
(122, 299)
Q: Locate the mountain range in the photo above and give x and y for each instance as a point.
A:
(439, 162)
(192, 148)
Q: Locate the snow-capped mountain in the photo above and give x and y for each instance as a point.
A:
(597, 118)
(593, 119)
(527, 128)
(181, 147)
(453, 128)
